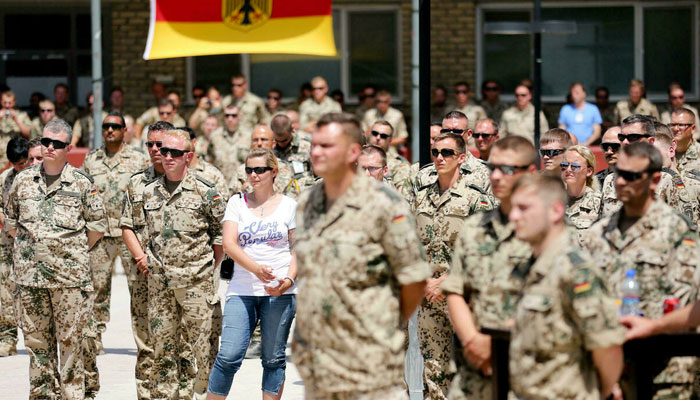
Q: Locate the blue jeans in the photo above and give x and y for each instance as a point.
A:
(241, 314)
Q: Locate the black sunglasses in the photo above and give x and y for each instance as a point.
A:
(482, 135)
(457, 131)
(381, 135)
(151, 144)
(231, 115)
(115, 127)
(631, 137)
(506, 169)
(273, 98)
(57, 144)
(614, 147)
(444, 152)
(551, 153)
(257, 170)
(175, 153)
(630, 176)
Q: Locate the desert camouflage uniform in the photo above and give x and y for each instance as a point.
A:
(624, 109)
(439, 217)
(212, 174)
(488, 268)
(664, 250)
(297, 157)
(228, 150)
(517, 122)
(565, 311)
(400, 175)
(473, 113)
(251, 111)
(53, 296)
(8, 323)
(666, 114)
(111, 174)
(182, 228)
(689, 159)
(68, 113)
(202, 148)
(392, 116)
(151, 115)
(37, 128)
(471, 169)
(494, 111)
(84, 130)
(8, 130)
(602, 174)
(353, 259)
(583, 212)
(311, 111)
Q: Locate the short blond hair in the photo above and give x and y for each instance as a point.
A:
(588, 155)
(47, 102)
(266, 154)
(185, 136)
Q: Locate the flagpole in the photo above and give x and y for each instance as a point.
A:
(96, 22)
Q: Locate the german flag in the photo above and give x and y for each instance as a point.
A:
(181, 28)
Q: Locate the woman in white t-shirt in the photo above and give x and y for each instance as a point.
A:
(258, 230)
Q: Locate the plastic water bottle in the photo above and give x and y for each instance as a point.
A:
(630, 294)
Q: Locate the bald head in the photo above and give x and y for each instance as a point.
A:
(262, 137)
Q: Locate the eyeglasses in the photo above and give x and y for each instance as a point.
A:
(151, 144)
(457, 131)
(47, 110)
(521, 94)
(257, 170)
(319, 88)
(614, 147)
(231, 115)
(372, 170)
(506, 169)
(551, 153)
(383, 136)
(115, 127)
(631, 137)
(164, 112)
(57, 144)
(444, 152)
(630, 176)
(482, 135)
(174, 153)
(382, 101)
(277, 98)
(237, 84)
(681, 126)
(575, 167)
(461, 91)
(491, 88)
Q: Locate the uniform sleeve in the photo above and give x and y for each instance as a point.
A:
(217, 208)
(144, 119)
(303, 116)
(11, 208)
(77, 130)
(684, 270)
(593, 309)
(402, 245)
(127, 217)
(401, 129)
(454, 283)
(93, 210)
(544, 125)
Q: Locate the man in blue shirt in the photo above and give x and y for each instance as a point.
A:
(580, 117)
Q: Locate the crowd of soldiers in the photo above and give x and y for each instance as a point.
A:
(469, 242)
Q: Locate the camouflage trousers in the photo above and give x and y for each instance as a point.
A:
(180, 316)
(102, 258)
(398, 392)
(435, 339)
(138, 294)
(8, 324)
(53, 319)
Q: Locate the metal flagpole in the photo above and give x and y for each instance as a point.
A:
(96, 22)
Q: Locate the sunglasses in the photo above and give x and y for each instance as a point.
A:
(457, 131)
(273, 98)
(237, 84)
(231, 115)
(151, 144)
(444, 152)
(381, 135)
(632, 137)
(47, 110)
(174, 153)
(164, 112)
(551, 153)
(575, 167)
(630, 176)
(614, 147)
(319, 88)
(257, 170)
(681, 126)
(57, 144)
(382, 101)
(506, 169)
(482, 135)
(115, 127)
(491, 88)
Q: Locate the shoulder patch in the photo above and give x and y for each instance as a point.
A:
(670, 171)
(143, 171)
(695, 174)
(85, 174)
(575, 258)
(390, 192)
(204, 181)
(477, 188)
(426, 166)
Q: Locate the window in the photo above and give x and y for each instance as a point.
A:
(367, 40)
(603, 51)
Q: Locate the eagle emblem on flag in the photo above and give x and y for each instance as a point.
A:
(245, 14)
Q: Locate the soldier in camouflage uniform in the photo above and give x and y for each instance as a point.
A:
(251, 108)
(687, 149)
(110, 166)
(160, 112)
(228, 145)
(206, 170)
(474, 172)
(84, 129)
(635, 104)
(13, 123)
(473, 111)
(294, 151)
(487, 271)
(441, 209)
(373, 162)
(585, 201)
(519, 119)
(183, 219)
(47, 112)
(650, 237)
(610, 144)
(56, 215)
(384, 112)
(567, 341)
(362, 273)
(17, 153)
(380, 134)
(311, 109)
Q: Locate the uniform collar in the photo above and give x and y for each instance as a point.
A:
(187, 184)
(498, 224)
(647, 222)
(354, 197)
(545, 262)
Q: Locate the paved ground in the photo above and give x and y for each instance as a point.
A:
(117, 364)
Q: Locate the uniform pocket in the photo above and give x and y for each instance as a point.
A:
(67, 212)
(153, 216)
(187, 217)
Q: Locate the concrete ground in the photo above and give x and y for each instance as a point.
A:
(116, 366)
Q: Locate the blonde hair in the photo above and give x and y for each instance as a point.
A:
(185, 136)
(588, 155)
(47, 102)
(266, 154)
